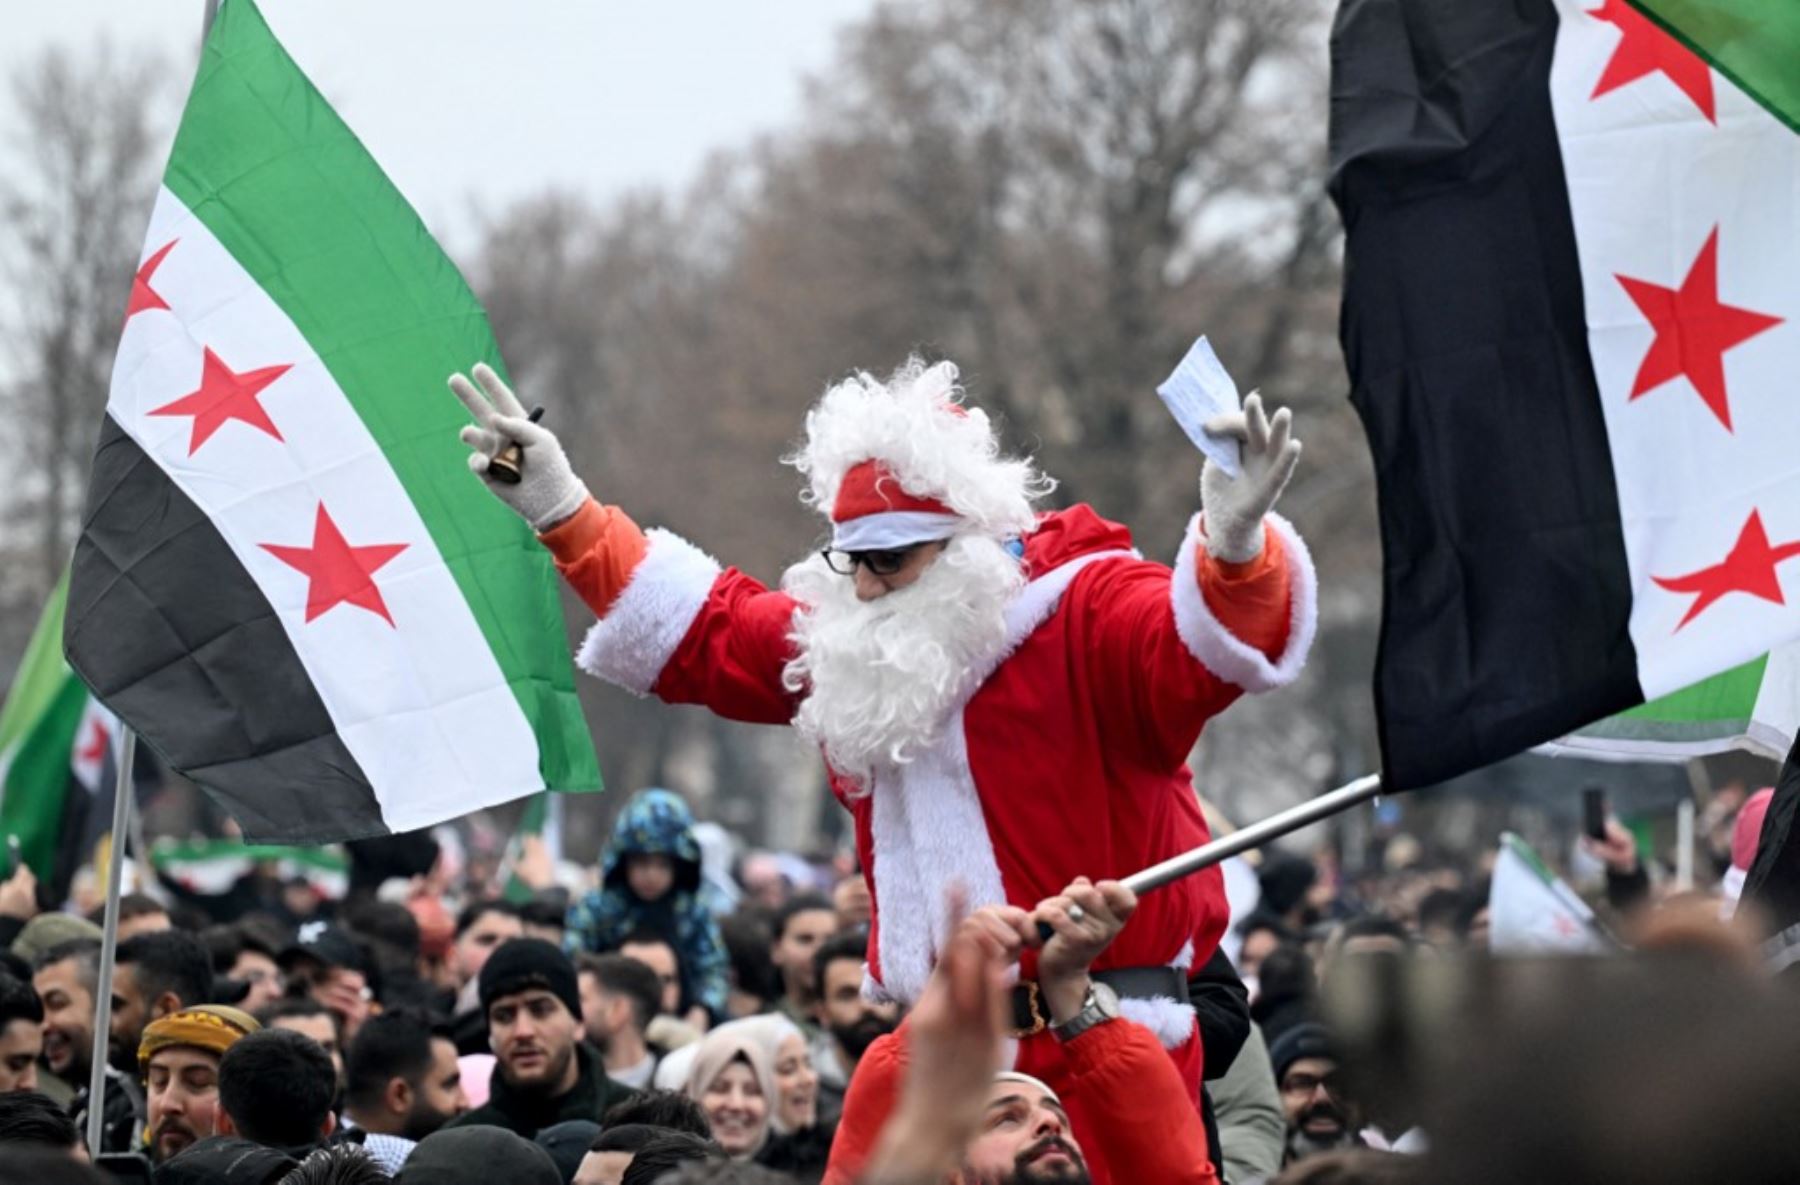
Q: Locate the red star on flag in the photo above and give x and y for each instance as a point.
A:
(94, 751)
(1750, 568)
(1693, 330)
(1645, 49)
(339, 573)
(143, 297)
(224, 395)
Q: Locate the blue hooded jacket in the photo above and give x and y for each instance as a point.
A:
(656, 821)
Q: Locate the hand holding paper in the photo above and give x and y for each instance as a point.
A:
(1198, 391)
(1235, 506)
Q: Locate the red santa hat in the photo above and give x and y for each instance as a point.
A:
(901, 462)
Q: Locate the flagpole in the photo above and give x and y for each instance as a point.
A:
(109, 938)
(1256, 835)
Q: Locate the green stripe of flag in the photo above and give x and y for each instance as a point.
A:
(37, 731)
(345, 256)
(1755, 43)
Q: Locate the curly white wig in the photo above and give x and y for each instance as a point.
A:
(916, 425)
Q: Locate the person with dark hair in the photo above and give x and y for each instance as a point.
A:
(1438, 914)
(41, 1166)
(849, 1022)
(543, 1073)
(668, 1152)
(1286, 992)
(332, 966)
(65, 978)
(337, 1164)
(403, 1083)
(611, 1152)
(546, 916)
(619, 998)
(479, 1155)
(671, 1109)
(27, 1117)
(21, 1035)
(139, 913)
(391, 937)
(650, 879)
(800, 927)
(310, 1018)
(480, 929)
(155, 974)
(657, 952)
(754, 983)
(1260, 933)
(276, 1088)
(245, 960)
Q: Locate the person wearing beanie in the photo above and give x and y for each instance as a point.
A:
(1005, 697)
(178, 1060)
(544, 1074)
(1320, 1115)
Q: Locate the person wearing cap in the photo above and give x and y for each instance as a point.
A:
(178, 1060)
(544, 1074)
(333, 968)
(1005, 698)
(1321, 1116)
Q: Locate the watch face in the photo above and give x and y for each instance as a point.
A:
(1105, 1000)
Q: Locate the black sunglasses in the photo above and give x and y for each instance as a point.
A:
(881, 563)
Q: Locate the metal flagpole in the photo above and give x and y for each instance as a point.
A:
(109, 939)
(1257, 834)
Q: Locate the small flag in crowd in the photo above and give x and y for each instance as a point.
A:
(1572, 329)
(1531, 910)
(287, 580)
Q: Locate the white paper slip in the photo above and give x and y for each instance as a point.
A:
(1197, 391)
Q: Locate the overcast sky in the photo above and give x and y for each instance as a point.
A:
(489, 100)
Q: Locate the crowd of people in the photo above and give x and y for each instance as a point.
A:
(667, 1025)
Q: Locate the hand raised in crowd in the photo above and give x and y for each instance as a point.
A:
(346, 992)
(954, 1049)
(18, 894)
(1618, 851)
(547, 491)
(1235, 506)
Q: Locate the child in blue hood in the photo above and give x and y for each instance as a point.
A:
(650, 880)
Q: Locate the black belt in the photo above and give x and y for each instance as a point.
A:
(1030, 1016)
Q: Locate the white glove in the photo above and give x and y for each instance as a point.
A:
(548, 490)
(1235, 506)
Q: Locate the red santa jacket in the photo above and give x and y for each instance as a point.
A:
(1067, 759)
(1127, 1105)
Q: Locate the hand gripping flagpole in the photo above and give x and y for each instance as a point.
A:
(109, 938)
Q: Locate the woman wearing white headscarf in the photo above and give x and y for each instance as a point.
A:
(733, 1080)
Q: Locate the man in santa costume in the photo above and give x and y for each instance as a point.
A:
(1005, 698)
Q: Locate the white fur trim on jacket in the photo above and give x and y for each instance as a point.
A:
(633, 642)
(1223, 654)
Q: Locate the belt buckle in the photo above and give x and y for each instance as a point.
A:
(1039, 1022)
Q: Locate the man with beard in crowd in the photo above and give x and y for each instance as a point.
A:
(544, 1074)
(1005, 699)
(404, 1084)
(179, 1062)
(1320, 1115)
(157, 973)
(848, 1020)
(65, 978)
(21, 1035)
(619, 999)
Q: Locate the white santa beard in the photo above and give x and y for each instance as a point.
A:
(881, 676)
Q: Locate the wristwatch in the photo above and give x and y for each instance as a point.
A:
(1099, 1006)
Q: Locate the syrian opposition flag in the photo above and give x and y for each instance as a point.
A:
(1572, 323)
(1531, 910)
(1755, 706)
(287, 580)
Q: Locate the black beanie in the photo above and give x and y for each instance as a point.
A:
(522, 963)
(1309, 1039)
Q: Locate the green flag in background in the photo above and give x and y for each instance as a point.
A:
(1755, 706)
(38, 725)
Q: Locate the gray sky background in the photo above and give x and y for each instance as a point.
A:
(474, 103)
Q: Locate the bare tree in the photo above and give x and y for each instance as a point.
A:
(72, 212)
